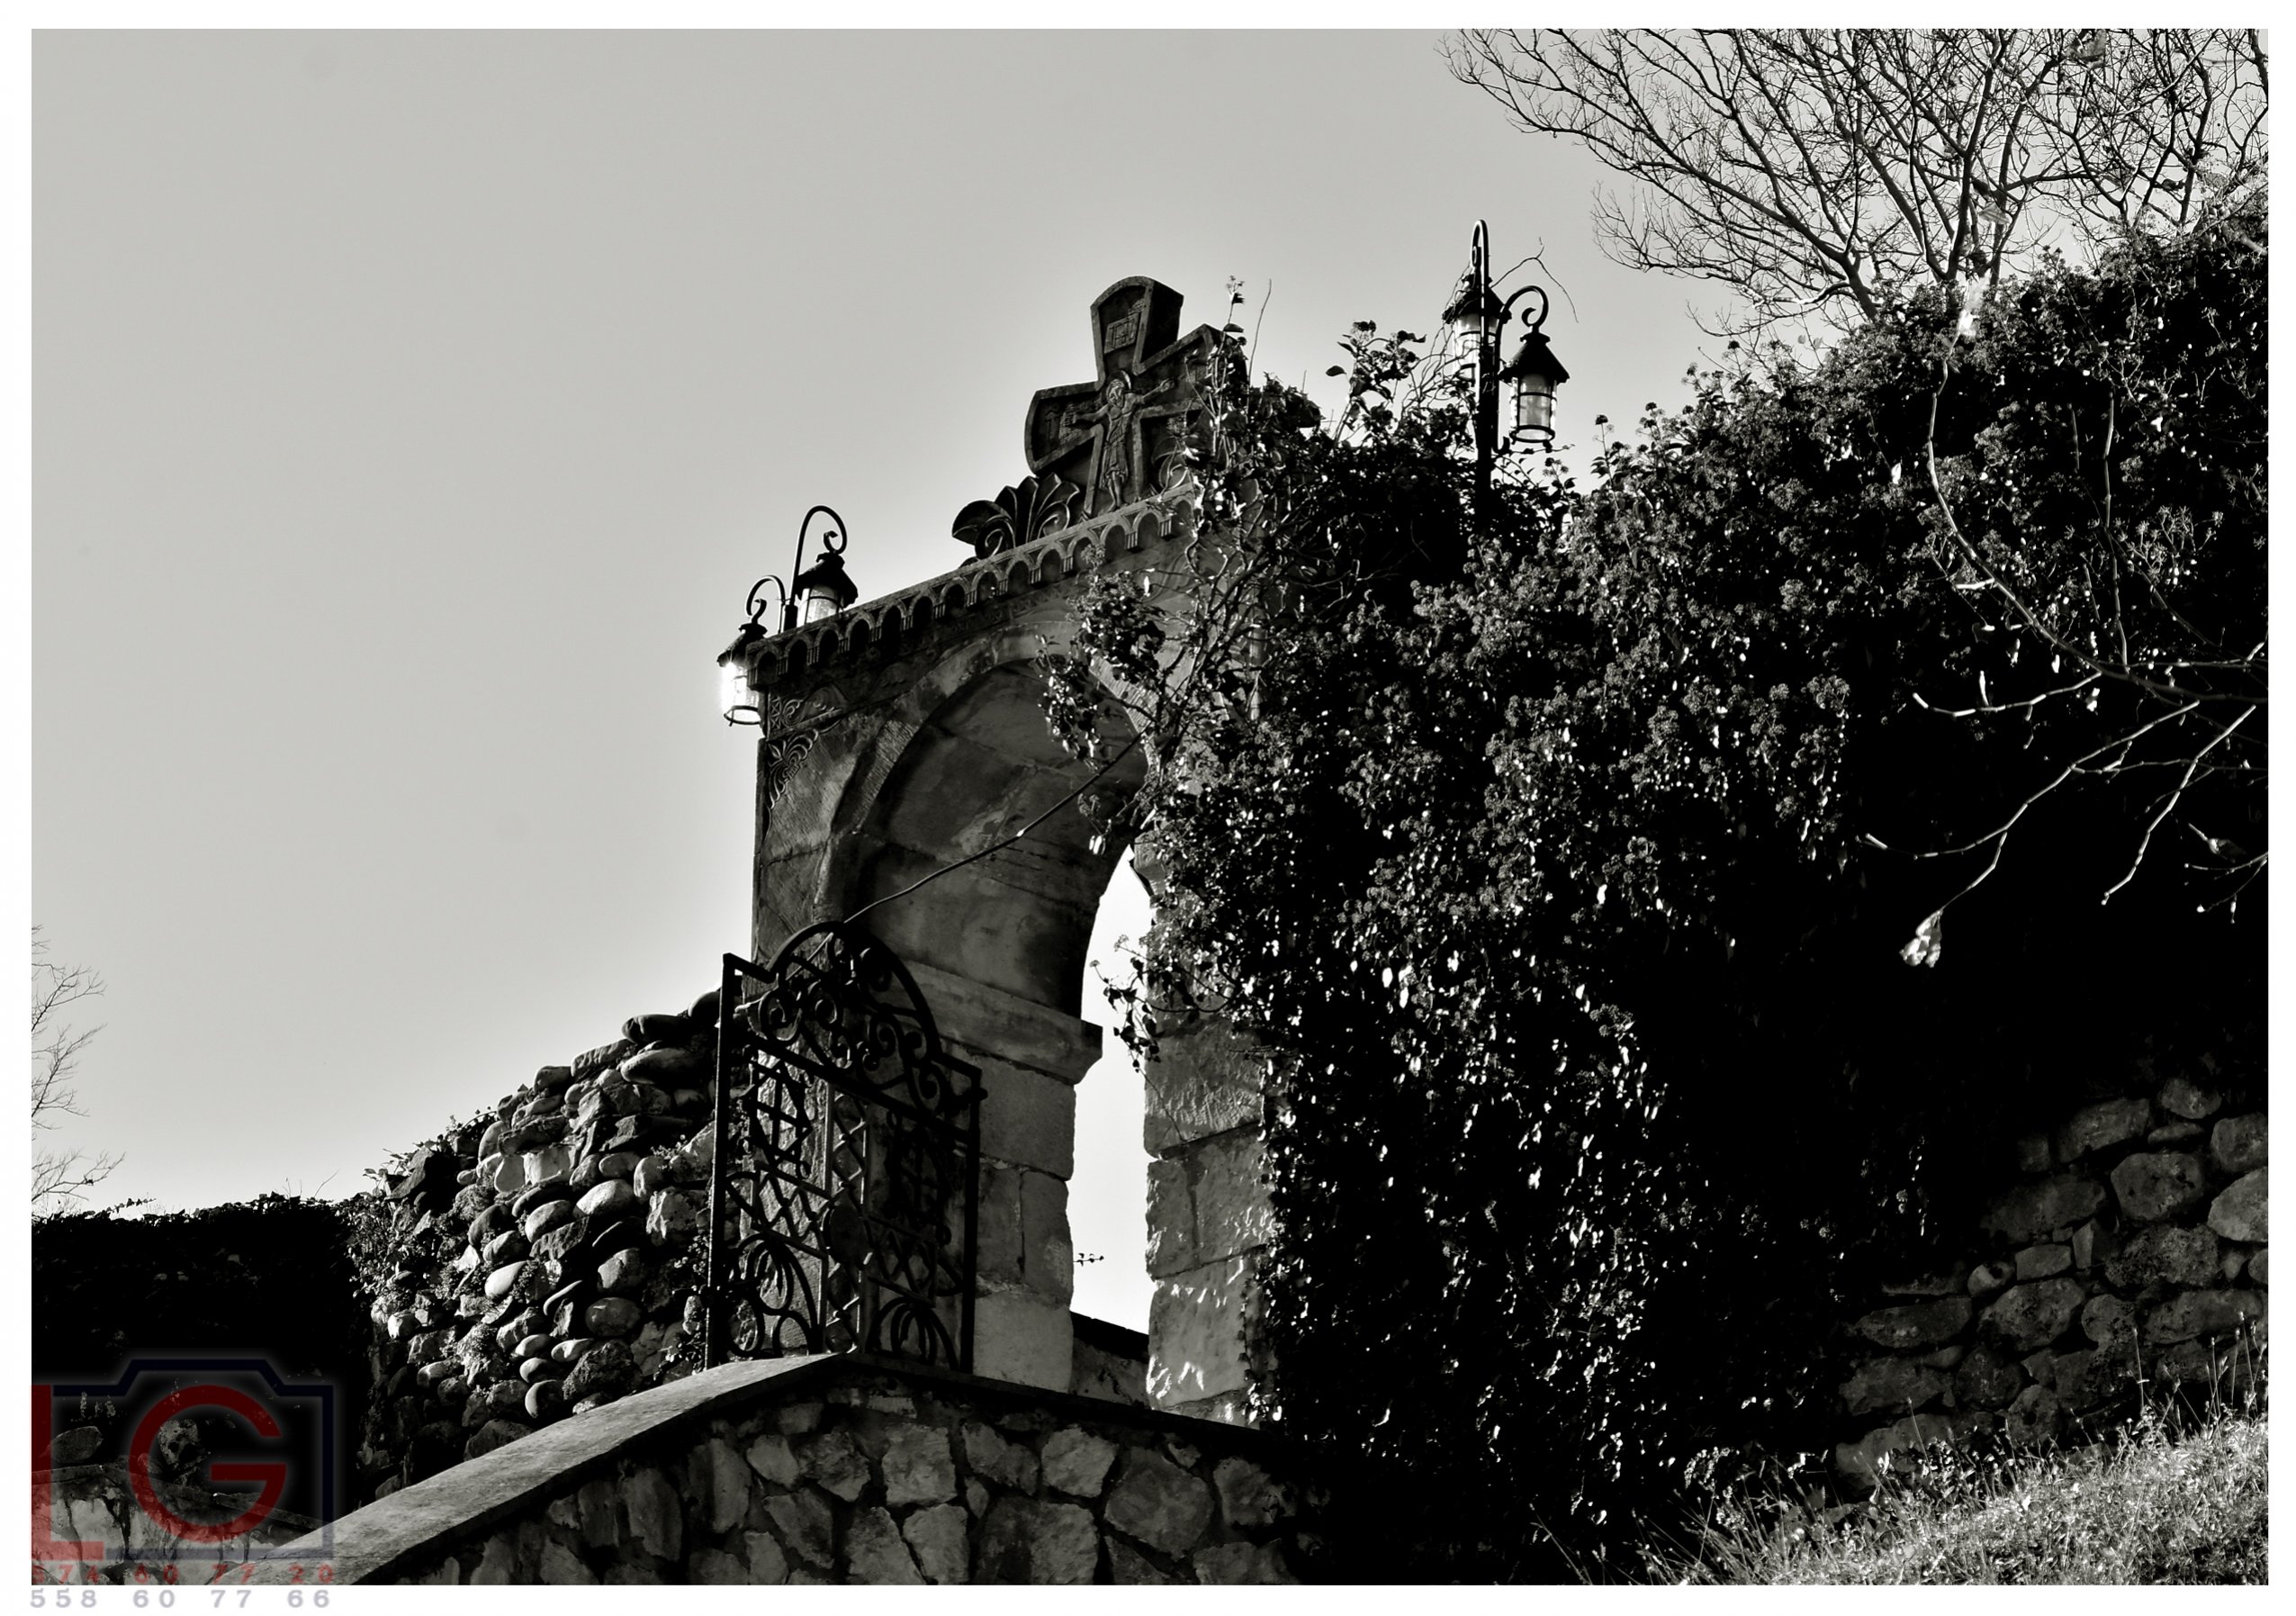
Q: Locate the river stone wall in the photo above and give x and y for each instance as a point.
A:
(548, 1259)
(2129, 1245)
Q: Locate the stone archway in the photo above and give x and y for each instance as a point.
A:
(905, 736)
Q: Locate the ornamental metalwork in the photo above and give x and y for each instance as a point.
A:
(844, 1188)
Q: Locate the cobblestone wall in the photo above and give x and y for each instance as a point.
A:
(548, 1257)
(891, 1477)
(2130, 1245)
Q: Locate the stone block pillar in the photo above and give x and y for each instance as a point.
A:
(1030, 1059)
(1209, 1216)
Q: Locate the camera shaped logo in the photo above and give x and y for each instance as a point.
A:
(183, 1458)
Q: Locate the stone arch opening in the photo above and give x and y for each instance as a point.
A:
(998, 936)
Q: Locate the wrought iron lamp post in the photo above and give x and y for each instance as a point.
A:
(1477, 318)
(820, 590)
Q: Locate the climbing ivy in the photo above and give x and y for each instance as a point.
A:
(1584, 857)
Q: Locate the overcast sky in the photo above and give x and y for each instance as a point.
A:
(411, 412)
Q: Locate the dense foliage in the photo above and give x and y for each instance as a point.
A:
(1582, 864)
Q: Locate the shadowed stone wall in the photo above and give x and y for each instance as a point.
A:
(2129, 1245)
(844, 1469)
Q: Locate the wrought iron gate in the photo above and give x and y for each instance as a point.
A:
(844, 1188)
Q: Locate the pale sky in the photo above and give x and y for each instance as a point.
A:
(411, 412)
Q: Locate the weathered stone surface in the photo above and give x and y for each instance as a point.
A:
(598, 1502)
(768, 1565)
(917, 1467)
(76, 1446)
(2236, 1144)
(2102, 1126)
(609, 1198)
(1130, 1565)
(1863, 1459)
(1027, 1119)
(1915, 1324)
(936, 1537)
(1076, 1462)
(802, 1522)
(833, 1462)
(657, 1522)
(560, 1566)
(1207, 1202)
(2152, 1185)
(613, 1316)
(1228, 1565)
(503, 1400)
(1024, 1540)
(497, 1562)
(2031, 1211)
(1987, 1378)
(1945, 1356)
(2106, 1319)
(1944, 1282)
(2165, 1254)
(1204, 1080)
(2034, 1315)
(875, 1551)
(2240, 1212)
(1024, 1338)
(2183, 1095)
(771, 1458)
(671, 1217)
(2198, 1314)
(713, 1567)
(545, 1401)
(622, 1273)
(507, 1247)
(543, 1219)
(725, 1485)
(2042, 1261)
(991, 1458)
(1987, 1277)
(2257, 1272)
(2033, 1154)
(1248, 1495)
(1896, 1385)
(493, 1434)
(1156, 1502)
(608, 1367)
(2034, 1418)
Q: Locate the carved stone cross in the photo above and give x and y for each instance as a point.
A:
(1120, 435)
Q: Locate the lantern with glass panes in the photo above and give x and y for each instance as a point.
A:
(820, 590)
(1478, 318)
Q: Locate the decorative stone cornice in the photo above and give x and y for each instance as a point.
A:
(974, 586)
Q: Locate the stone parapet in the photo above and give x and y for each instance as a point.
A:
(847, 1470)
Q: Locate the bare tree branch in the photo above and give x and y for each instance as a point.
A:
(59, 1179)
(1816, 172)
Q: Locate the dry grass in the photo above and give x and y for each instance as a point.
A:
(2160, 1502)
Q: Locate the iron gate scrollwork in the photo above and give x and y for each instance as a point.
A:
(843, 1190)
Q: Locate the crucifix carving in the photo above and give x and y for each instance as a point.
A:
(1120, 435)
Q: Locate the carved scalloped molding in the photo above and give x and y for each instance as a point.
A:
(1088, 545)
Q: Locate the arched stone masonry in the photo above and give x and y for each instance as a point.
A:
(906, 735)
